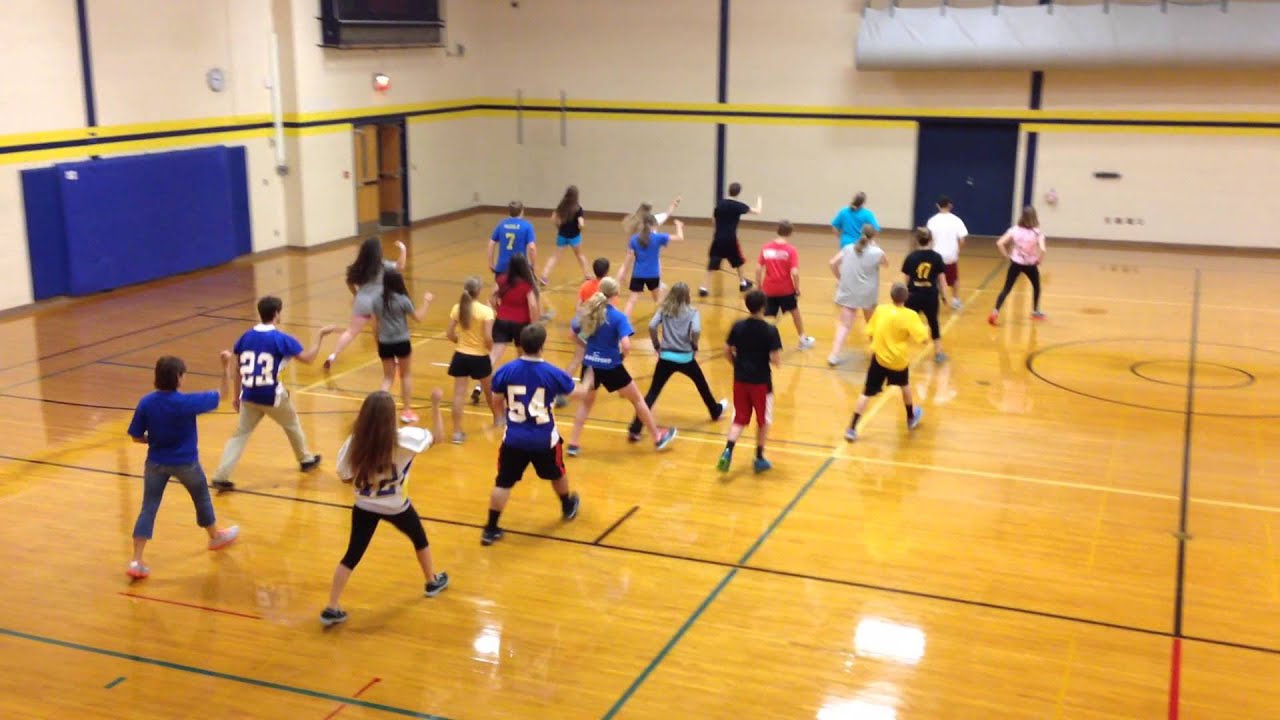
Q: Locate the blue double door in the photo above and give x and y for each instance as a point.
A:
(974, 164)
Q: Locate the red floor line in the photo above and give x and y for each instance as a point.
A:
(1175, 678)
(359, 692)
(190, 605)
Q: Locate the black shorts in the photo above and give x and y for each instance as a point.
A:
(506, 331)
(476, 367)
(774, 304)
(878, 375)
(387, 351)
(725, 250)
(639, 284)
(926, 303)
(611, 379)
(512, 462)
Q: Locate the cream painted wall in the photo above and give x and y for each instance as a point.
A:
(1198, 90)
(320, 188)
(442, 165)
(40, 54)
(1187, 189)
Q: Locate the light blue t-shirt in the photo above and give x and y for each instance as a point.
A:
(603, 351)
(649, 259)
(849, 222)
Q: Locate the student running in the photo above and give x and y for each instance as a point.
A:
(364, 280)
(724, 243)
(1023, 244)
(752, 347)
(778, 275)
(471, 331)
(857, 270)
(394, 309)
(892, 329)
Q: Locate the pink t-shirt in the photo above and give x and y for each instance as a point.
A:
(1026, 245)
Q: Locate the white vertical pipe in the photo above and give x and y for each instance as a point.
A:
(277, 109)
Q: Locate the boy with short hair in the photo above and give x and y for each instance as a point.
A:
(948, 233)
(753, 346)
(724, 243)
(925, 273)
(165, 421)
(263, 352)
(778, 275)
(892, 328)
(512, 236)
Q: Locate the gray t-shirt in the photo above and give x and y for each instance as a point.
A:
(677, 332)
(393, 322)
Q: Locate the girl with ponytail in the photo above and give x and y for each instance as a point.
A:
(471, 331)
(644, 254)
(848, 223)
(857, 271)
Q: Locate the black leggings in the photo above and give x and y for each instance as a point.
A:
(1033, 274)
(663, 372)
(363, 523)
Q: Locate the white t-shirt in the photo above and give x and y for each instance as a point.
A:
(386, 495)
(948, 230)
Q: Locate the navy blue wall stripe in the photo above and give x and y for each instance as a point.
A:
(86, 65)
(1033, 141)
(722, 97)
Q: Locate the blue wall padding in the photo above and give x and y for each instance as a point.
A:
(132, 219)
(46, 235)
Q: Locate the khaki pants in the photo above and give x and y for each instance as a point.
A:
(250, 415)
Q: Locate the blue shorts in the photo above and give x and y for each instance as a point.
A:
(562, 241)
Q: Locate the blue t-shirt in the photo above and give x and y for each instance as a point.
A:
(530, 388)
(602, 347)
(263, 352)
(514, 236)
(168, 420)
(648, 260)
(849, 222)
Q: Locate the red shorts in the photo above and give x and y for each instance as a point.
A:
(752, 397)
(952, 271)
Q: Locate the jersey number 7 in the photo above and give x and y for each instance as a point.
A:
(511, 241)
(520, 411)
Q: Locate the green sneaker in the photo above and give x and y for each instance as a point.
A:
(726, 457)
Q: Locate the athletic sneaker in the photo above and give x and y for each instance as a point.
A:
(332, 616)
(225, 485)
(726, 457)
(667, 436)
(703, 292)
(571, 511)
(573, 451)
(940, 357)
(745, 285)
(807, 342)
(436, 585)
(633, 437)
(309, 465)
(994, 318)
(475, 395)
(408, 417)
(914, 422)
(225, 537)
(724, 408)
(1037, 315)
(137, 570)
(561, 401)
(761, 465)
(544, 282)
(489, 537)
(328, 363)
(833, 360)
(458, 437)
(851, 435)
(955, 303)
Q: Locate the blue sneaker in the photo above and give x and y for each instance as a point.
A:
(914, 422)
(761, 465)
(851, 435)
(940, 358)
(573, 451)
(726, 457)
(666, 439)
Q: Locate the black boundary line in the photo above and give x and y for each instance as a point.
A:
(1184, 495)
(716, 563)
(70, 403)
(189, 371)
(616, 524)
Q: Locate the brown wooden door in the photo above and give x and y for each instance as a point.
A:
(366, 172)
(390, 176)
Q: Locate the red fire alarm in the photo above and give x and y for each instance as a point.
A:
(381, 82)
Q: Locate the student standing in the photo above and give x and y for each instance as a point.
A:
(394, 309)
(375, 460)
(724, 243)
(1023, 244)
(892, 329)
(588, 288)
(471, 331)
(569, 220)
(512, 236)
(848, 223)
(949, 233)
(165, 421)
(262, 353)
(778, 275)
(857, 271)
(606, 333)
(364, 280)
(632, 223)
(926, 279)
(516, 304)
(527, 387)
(752, 347)
(644, 260)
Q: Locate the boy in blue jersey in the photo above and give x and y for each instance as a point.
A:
(165, 421)
(529, 386)
(263, 353)
(512, 236)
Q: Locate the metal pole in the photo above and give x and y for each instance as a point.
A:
(893, 5)
(995, 7)
(519, 117)
(1106, 7)
(564, 120)
(865, 3)
(942, 9)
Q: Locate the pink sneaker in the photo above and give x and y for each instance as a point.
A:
(408, 417)
(994, 318)
(137, 570)
(225, 537)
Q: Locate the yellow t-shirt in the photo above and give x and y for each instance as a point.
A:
(471, 340)
(891, 329)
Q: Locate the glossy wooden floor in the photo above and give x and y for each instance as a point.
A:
(1016, 557)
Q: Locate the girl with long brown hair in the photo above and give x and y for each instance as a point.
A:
(375, 460)
(1023, 244)
(569, 220)
(364, 280)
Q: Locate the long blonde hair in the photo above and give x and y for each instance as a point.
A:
(677, 300)
(470, 291)
(635, 221)
(868, 234)
(647, 226)
(595, 309)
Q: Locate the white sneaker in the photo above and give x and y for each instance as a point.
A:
(807, 342)
(955, 303)
(833, 360)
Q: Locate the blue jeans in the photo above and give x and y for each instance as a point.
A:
(154, 480)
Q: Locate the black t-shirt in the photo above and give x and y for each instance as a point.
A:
(923, 267)
(569, 226)
(753, 340)
(728, 213)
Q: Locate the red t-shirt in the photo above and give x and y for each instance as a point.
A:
(513, 301)
(778, 257)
